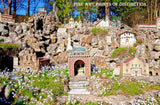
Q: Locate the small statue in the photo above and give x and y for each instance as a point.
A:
(81, 71)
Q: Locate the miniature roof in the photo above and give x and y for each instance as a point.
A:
(118, 63)
(126, 61)
(79, 49)
(41, 59)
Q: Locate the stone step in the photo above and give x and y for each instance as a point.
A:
(74, 87)
(78, 91)
(78, 82)
(77, 85)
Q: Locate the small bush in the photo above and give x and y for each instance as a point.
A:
(6, 46)
(99, 31)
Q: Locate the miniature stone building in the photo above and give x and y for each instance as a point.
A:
(29, 60)
(150, 26)
(133, 67)
(6, 18)
(79, 64)
(103, 23)
(127, 39)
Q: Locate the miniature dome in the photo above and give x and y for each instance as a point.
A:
(79, 49)
(71, 19)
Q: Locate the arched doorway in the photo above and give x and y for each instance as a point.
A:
(79, 68)
(150, 73)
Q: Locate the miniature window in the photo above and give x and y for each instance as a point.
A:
(139, 65)
(132, 65)
(144, 70)
(127, 64)
(136, 65)
(31, 57)
(144, 65)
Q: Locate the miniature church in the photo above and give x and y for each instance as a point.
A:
(133, 67)
(79, 64)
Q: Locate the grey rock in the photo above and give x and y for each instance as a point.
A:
(51, 48)
(154, 55)
(5, 32)
(24, 27)
(12, 35)
(19, 29)
(7, 91)
(26, 79)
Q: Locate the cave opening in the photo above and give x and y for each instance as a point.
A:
(39, 24)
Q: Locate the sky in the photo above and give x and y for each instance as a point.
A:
(22, 11)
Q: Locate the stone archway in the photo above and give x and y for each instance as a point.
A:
(79, 68)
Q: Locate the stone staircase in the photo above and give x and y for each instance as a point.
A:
(78, 87)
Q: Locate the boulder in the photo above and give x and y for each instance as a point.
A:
(19, 29)
(51, 48)
(26, 79)
(61, 58)
(7, 91)
(24, 27)
(61, 47)
(30, 20)
(5, 32)
(54, 40)
(154, 55)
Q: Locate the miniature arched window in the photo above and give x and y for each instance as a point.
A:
(31, 57)
(126, 70)
(139, 65)
(144, 70)
(127, 64)
(132, 65)
(136, 65)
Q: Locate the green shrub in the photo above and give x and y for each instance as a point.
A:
(6, 46)
(99, 31)
(132, 51)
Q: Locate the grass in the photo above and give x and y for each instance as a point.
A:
(123, 51)
(117, 51)
(128, 88)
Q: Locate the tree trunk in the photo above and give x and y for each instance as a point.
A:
(15, 7)
(9, 6)
(28, 8)
(3, 4)
(148, 10)
(90, 13)
(97, 9)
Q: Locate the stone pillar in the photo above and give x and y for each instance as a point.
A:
(15, 62)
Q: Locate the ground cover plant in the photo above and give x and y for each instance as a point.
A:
(29, 88)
